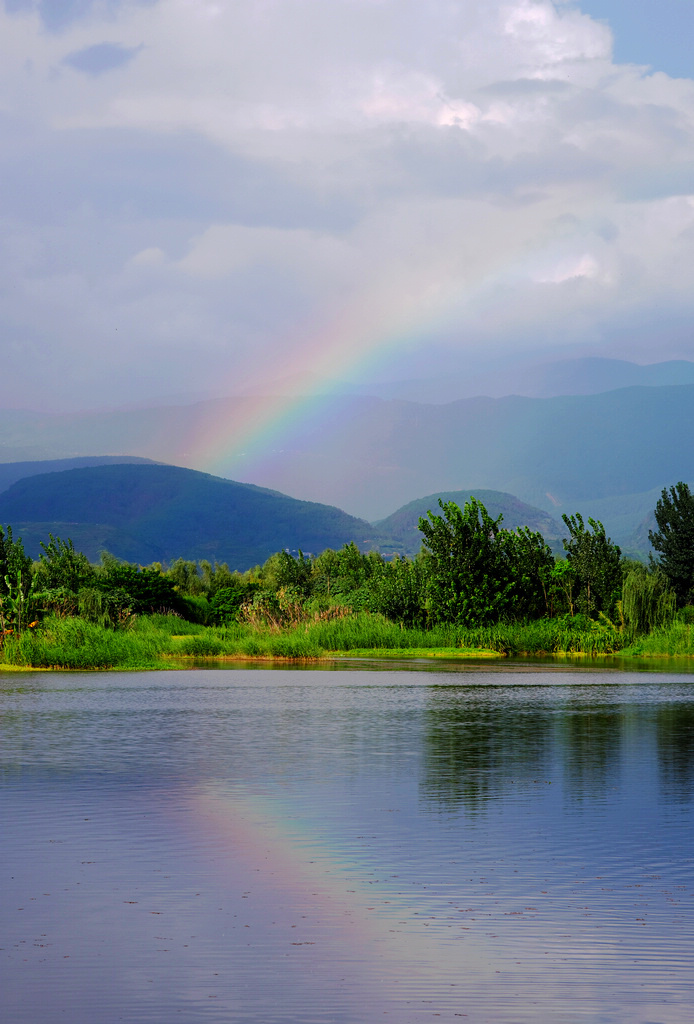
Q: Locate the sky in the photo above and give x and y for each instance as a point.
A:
(203, 197)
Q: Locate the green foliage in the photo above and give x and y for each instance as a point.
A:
(17, 585)
(147, 590)
(647, 600)
(468, 580)
(596, 562)
(364, 630)
(194, 608)
(201, 646)
(17, 602)
(529, 566)
(170, 624)
(217, 576)
(563, 579)
(62, 568)
(109, 609)
(227, 602)
(74, 643)
(476, 586)
(284, 572)
(346, 575)
(13, 560)
(397, 590)
(568, 634)
(674, 640)
(186, 578)
(674, 539)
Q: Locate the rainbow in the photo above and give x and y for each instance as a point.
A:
(364, 336)
(367, 923)
(461, 260)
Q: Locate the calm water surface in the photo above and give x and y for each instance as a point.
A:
(490, 844)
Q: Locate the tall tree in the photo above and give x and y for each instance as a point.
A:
(15, 581)
(674, 539)
(13, 560)
(467, 577)
(530, 565)
(596, 562)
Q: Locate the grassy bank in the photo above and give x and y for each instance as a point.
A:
(74, 643)
(159, 641)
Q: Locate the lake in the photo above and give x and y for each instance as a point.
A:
(357, 843)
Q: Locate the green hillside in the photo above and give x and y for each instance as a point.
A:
(148, 513)
(11, 472)
(401, 534)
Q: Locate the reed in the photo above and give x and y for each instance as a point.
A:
(675, 640)
(365, 630)
(75, 643)
(577, 635)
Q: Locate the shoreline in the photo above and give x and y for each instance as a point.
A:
(184, 662)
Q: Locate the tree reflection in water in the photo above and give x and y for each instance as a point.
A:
(478, 746)
(475, 750)
(675, 732)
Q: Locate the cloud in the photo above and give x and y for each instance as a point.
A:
(451, 176)
(58, 15)
(101, 57)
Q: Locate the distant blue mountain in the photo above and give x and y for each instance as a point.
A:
(146, 513)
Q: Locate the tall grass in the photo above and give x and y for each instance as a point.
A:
(74, 643)
(668, 641)
(566, 635)
(170, 625)
(364, 630)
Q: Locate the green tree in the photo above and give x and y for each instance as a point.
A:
(529, 566)
(346, 575)
(467, 576)
(186, 577)
(227, 602)
(15, 565)
(397, 591)
(17, 585)
(597, 564)
(563, 584)
(674, 539)
(216, 577)
(284, 572)
(61, 568)
(647, 599)
(147, 590)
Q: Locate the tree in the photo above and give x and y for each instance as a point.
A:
(647, 600)
(530, 565)
(346, 575)
(674, 539)
(16, 583)
(397, 591)
(146, 590)
(62, 568)
(284, 572)
(596, 562)
(467, 577)
(12, 555)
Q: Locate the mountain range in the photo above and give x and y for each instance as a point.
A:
(145, 513)
(606, 453)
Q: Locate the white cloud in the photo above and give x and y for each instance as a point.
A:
(251, 172)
